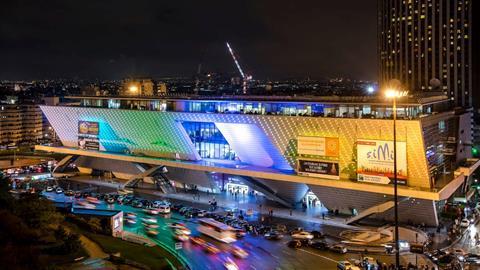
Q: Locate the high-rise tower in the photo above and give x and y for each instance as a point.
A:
(427, 45)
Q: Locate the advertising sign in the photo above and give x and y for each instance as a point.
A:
(87, 127)
(319, 146)
(375, 162)
(318, 168)
(88, 135)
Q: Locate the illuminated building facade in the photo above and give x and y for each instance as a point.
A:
(427, 45)
(338, 148)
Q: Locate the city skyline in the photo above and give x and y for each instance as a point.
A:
(114, 40)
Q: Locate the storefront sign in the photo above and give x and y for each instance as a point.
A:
(88, 135)
(375, 162)
(318, 168)
(318, 146)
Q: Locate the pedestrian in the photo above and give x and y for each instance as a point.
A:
(323, 215)
(290, 212)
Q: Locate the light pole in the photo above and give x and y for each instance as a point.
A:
(394, 94)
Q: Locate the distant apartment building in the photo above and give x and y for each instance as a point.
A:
(138, 87)
(427, 45)
(20, 124)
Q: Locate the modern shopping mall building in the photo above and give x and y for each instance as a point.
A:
(339, 149)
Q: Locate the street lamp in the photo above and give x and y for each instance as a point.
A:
(394, 94)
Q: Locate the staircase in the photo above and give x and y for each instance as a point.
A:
(379, 208)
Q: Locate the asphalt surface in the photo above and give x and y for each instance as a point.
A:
(263, 254)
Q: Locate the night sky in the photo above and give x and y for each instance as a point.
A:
(111, 39)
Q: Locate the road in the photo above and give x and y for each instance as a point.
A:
(264, 254)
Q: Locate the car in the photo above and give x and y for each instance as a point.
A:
(151, 211)
(302, 235)
(184, 209)
(137, 204)
(181, 237)
(239, 252)
(164, 209)
(110, 200)
(49, 189)
(176, 206)
(152, 232)
(201, 213)
(177, 225)
(320, 245)
(211, 248)
(273, 235)
(124, 191)
(339, 249)
(346, 265)
(184, 230)
(69, 193)
(58, 190)
(78, 194)
(464, 223)
(229, 264)
(296, 230)
(150, 226)
(197, 241)
(317, 234)
(120, 198)
(294, 244)
(149, 220)
(239, 233)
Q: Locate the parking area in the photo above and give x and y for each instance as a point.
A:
(266, 240)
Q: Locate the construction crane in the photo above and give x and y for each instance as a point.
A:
(245, 77)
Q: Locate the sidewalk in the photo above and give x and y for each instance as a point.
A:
(242, 203)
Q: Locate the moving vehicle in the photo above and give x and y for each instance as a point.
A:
(211, 248)
(302, 235)
(339, 249)
(273, 235)
(346, 265)
(197, 241)
(152, 232)
(58, 190)
(239, 252)
(229, 264)
(149, 220)
(216, 230)
(181, 237)
(151, 211)
(49, 189)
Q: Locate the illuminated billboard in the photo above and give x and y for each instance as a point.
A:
(88, 135)
(318, 146)
(319, 168)
(375, 160)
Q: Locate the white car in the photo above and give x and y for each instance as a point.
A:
(464, 223)
(49, 189)
(346, 265)
(59, 190)
(302, 236)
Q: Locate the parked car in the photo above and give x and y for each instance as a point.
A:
(320, 245)
(346, 265)
(164, 209)
(58, 190)
(273, 235)
(49, 189)
(302, 235)
(339, 249)
(317, 234)
(294, 244)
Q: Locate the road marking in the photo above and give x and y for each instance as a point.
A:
(318, 255)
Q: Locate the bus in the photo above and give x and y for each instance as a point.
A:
(216, 230)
